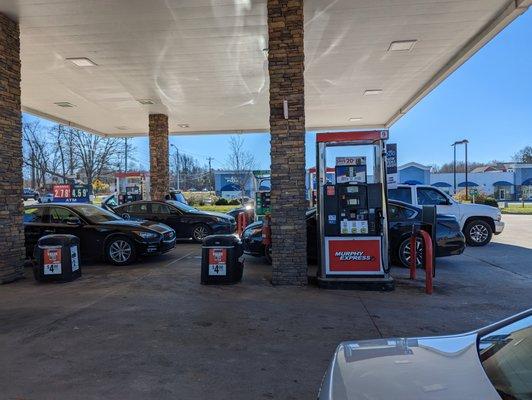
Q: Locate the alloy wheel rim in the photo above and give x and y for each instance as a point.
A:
(478, 233)
(200, 232)
(419, 253)
(120, 251)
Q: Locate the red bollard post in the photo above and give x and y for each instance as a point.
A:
(266, 230)
(239, 223)
(413, 256)
(428, 261)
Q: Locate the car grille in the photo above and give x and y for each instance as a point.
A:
(168, 235)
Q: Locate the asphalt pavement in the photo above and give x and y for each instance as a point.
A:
(151, 331)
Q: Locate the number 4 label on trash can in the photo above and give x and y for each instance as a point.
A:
(52, 261)
(217, 261)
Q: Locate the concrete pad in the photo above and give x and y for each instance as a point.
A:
(151, 330)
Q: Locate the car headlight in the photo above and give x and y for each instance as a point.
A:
(220, 219)
(498, 217)
(147, 235)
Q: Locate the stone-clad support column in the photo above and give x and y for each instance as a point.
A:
(159, 173)
(11, 228)
(286, 68)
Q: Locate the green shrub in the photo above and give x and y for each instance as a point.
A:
(221, 202)
(234, 202)
(480, 198)
(490, 201)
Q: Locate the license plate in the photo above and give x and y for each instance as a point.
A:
(217, 269)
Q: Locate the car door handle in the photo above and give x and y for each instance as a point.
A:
(49, 231)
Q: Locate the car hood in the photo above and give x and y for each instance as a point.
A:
(479, 208)
(213, 214)
(445, 367)
(133, 224)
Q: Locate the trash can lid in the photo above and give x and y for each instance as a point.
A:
(221, 240)
(58, 240)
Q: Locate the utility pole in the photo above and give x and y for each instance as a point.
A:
(176, 164)
(125, 156)
(210, 172)
(32, 169)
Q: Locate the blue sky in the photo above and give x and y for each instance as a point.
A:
(488, 101)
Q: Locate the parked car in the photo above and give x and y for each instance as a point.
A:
(176, 195)
(28, 193)
(449, 239)
(492, 363)
(478, 222)
(247, 209)
(109, 203)
(101, 233)
(46, 198)
(188, 222)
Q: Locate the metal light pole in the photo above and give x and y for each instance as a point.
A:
(465, 142)
(176, 164)
(454, 167)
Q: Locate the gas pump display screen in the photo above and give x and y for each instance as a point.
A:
(352, 189)
(350, 173)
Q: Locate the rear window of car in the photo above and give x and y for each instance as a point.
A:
(506, 356)
(401, 194)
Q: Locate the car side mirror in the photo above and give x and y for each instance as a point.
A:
(73, 221)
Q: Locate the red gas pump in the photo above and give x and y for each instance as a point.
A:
(352, 217)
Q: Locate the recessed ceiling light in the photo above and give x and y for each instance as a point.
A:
(64, 104)
(354, 119)
(402, 45)
(146, 101)
(183, 125)
(372, 92)
(82, 62)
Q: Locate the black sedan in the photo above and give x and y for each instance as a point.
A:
(101, 233)
(188, 222)
(449, 239)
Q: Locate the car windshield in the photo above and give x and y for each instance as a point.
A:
(96, 214)
(181, 206)
(506, 356)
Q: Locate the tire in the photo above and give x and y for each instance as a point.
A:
(200, 232)
(478, 233)
(403, 253)
(268, 254)
(36, 197)
(120, 250)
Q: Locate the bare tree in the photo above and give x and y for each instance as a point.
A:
(38, 152)
(241, 161)
(95, 153)
(524, 155)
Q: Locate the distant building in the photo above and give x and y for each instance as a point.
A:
(508, 183)
(227, 183)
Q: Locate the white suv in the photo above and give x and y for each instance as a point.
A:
(477, 221)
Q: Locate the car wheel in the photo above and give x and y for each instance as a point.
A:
(36, 197)
(478, 233)
(200, 232)
(404, 253)
(120, 251)
(268, 253)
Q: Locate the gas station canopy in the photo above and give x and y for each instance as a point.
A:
(105, 65)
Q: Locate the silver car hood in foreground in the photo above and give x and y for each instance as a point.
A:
(445, 367)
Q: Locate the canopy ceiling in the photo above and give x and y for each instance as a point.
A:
(204, 62)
